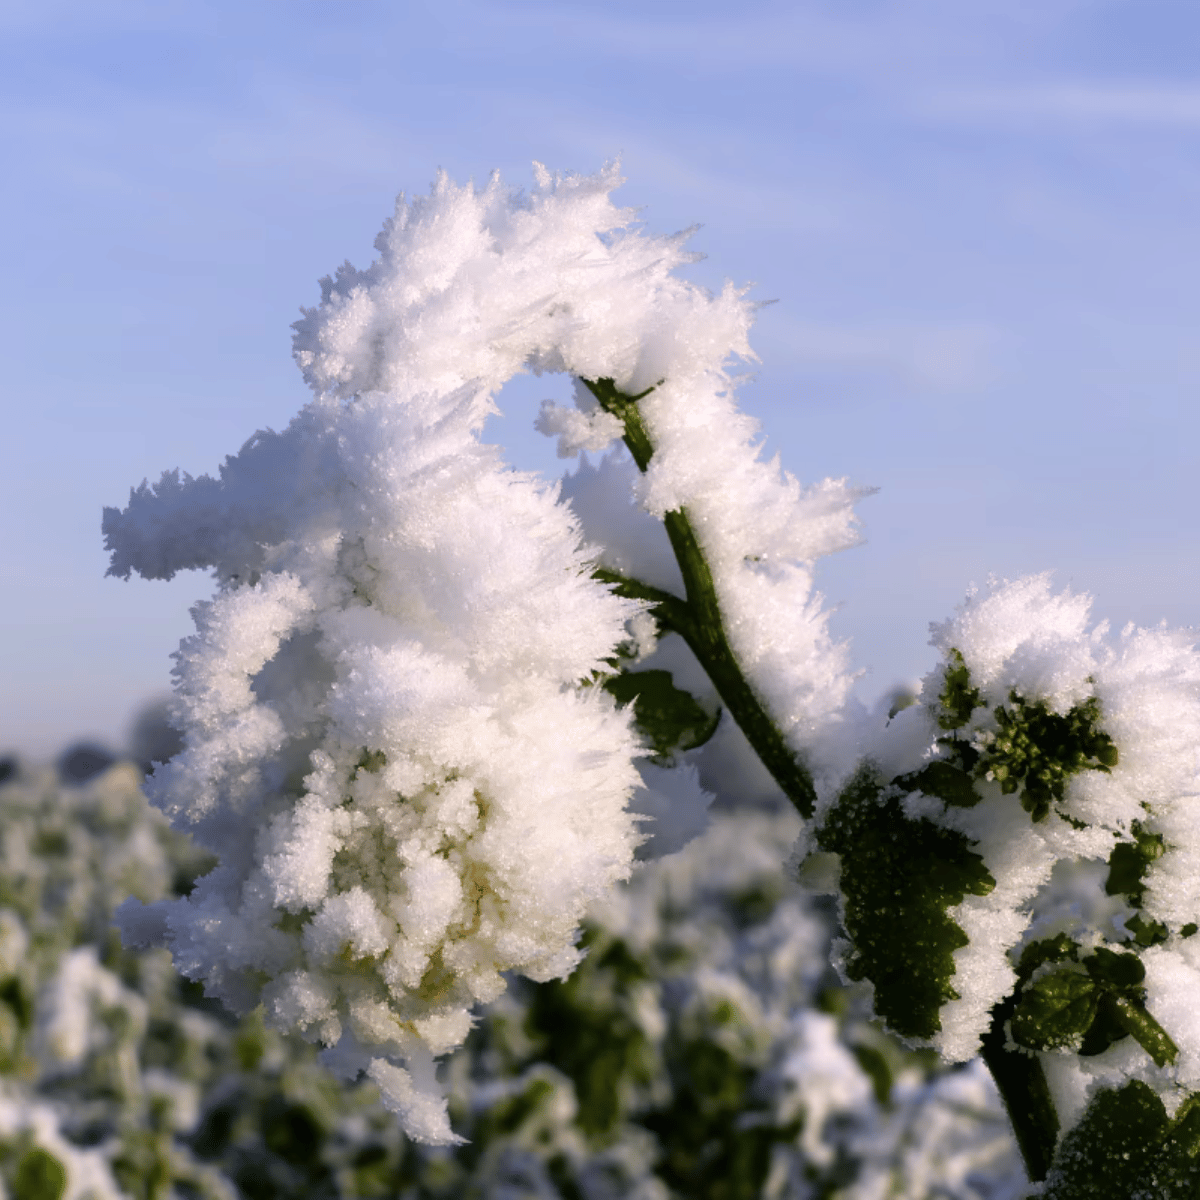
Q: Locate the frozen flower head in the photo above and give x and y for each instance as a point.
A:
(389, 738)
(393, 741)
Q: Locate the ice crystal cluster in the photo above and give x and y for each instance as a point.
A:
(390, 744)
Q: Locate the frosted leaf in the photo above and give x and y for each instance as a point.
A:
(1069, 762)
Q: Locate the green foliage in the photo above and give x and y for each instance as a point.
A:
(628, 1079)
(143, 1166)
(1129, 862)
(1087, 1004)
(1042, 749)
(584, 1026)
(1125, 1147)
(944, 781)
(876, 1066)
(669, 718)
(1055, 1011)
(1127, 867)
(899, 876)
(957, 699)
(1033, 748)
(39, 1176)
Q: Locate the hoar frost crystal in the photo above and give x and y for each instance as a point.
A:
(391, 741)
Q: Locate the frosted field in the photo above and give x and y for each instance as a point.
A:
(703, 1049)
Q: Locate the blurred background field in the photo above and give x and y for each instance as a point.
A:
(704, 1050)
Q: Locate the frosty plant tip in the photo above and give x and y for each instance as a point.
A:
(436, 705)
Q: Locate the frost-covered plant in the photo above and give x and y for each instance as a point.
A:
(431, 696)
(1017, 864)
(101, 1066)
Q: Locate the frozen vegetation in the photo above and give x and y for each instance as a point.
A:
(703, 1048)
(541, 814)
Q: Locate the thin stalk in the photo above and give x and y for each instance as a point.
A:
(698, 618)
(1020, 1079)
(1025, 1092)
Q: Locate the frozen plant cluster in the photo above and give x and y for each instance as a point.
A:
(1125, 715)
(437, 708)
(1030, 830)
(84, 1101)
(391, 744)
(118, 1079)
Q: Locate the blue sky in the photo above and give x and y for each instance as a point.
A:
(978, 220)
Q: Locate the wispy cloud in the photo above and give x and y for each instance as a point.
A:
(1082, 102)
(873, 42)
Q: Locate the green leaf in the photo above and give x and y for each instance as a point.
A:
(1106, 1030)
(1119, 968)
(1128, 863)
(1058, 948)
(1125, 1146)
(669, 718)
(1151, 933)
(899, 877)
(1042, 749)
(39, 1176)
(1090, 1011)
(876, 1069)
(958, 699)
(1133, 1018)
(1055, 1010)
(944, 781)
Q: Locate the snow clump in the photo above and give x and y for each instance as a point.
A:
(392, 741)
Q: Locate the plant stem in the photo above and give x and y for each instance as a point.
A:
(698, 618)
(1025, 1092)
(1020, 1079)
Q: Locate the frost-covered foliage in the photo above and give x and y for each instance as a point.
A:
(390, 741)
(701, 1048)
(437, 708)
(94, 1049)
(1029, 833)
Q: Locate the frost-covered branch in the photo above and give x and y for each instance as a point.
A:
(391, 740)
(698, 619)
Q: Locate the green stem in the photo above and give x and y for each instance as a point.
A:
(1026, 1094)
(698, 618)
(1019, 1077)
